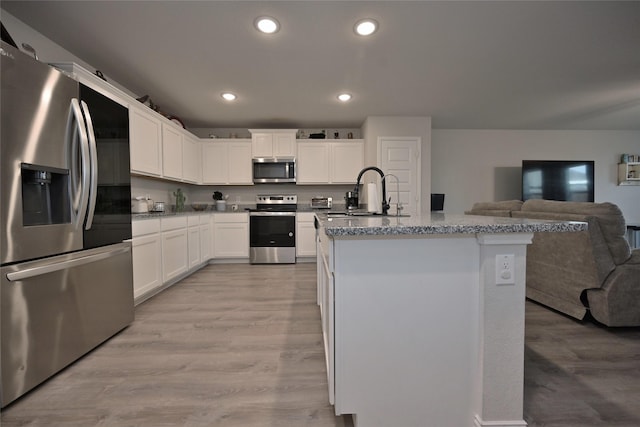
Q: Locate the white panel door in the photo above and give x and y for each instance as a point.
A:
(400, 156)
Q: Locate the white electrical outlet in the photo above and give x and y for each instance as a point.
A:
(505, 274)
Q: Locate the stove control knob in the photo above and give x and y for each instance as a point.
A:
(291, 234)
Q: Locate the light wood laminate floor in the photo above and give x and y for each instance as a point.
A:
(240, 345)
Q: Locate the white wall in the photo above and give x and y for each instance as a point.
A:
(377, 126)
(485, 165)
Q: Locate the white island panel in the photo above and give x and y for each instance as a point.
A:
(423, 334)
(405, 340)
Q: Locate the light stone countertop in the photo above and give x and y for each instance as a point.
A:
(189, 211)
(439, 223)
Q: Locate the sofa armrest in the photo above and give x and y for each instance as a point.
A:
(617, 303)
(635, 257)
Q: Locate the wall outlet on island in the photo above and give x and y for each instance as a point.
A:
(505, 274)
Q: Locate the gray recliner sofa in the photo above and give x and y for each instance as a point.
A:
(573, 273)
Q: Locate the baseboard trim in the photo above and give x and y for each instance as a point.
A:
(478, 422)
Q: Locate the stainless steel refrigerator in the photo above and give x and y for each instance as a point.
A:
(65, 213)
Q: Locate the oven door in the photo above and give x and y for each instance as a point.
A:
(272, 237)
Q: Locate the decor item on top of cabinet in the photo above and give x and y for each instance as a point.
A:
(177, 121)
(321, 135)
(180, 199)
(146, 100)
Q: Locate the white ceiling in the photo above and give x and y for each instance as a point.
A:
(472, 65)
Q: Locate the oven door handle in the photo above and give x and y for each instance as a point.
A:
(272, 214)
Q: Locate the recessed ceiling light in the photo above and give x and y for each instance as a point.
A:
(344, 97)
(366, 27)
(266, 24)
(228, 96)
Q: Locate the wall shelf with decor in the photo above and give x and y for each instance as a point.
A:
(629, 169)
(629, 173)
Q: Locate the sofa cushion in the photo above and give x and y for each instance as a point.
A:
(592, 241)
(607, 215)
(502, 208)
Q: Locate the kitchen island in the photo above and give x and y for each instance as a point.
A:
(423, 317)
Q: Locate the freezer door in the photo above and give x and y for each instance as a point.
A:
(55, 310)
(39, 155)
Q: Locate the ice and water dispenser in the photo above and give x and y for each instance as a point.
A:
(45, 195)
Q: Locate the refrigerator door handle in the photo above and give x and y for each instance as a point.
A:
(93, 153)
(80, 128)
(63, 265)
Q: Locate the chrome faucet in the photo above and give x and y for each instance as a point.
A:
(385, 205)
(399, 206)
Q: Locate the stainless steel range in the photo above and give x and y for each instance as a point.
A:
(272, 229)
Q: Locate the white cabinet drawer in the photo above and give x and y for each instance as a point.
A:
(140, 227)
(173, 223)
(193, 220)
(231, 217)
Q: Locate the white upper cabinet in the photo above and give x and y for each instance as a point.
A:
(346, 160)
(273, 142)
(226, 162)
(329, 162)
(145, 142)
(191, 161)
(313, 163)
(215, 168)
(240, 165)
(171, 152)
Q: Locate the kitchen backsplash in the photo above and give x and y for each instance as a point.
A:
(162, 191)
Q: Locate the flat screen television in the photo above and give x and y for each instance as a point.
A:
(564, 180)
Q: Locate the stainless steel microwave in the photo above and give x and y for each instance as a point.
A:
(274, 170)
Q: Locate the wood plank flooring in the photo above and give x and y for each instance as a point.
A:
(231, 345)
(580, 373)
(239, 345)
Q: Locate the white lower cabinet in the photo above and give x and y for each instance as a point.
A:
(174, 247)
(325, 284)
(205, 237)
(193, 239)
(231, 235)
(305, 234)
(166, 249)
(147, 256)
